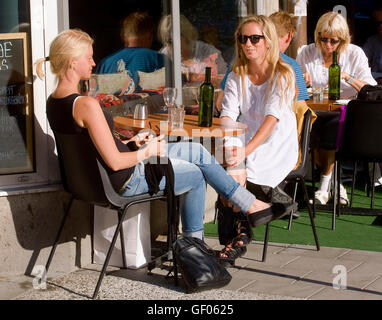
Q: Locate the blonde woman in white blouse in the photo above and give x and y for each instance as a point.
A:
(260, 91)
(332, 34)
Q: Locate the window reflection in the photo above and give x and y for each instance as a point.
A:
(16, 109)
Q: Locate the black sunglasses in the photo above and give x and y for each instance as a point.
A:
(254, 38)
(332, 41)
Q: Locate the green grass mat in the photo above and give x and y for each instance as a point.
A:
(352, 231)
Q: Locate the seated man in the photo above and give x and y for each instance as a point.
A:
(137, 35)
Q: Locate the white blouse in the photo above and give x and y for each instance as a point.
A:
(277, 156)
(352, 61)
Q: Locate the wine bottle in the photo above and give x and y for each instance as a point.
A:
(206, 101)
(334, 79)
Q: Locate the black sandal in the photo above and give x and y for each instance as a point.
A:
(231, 254)
(244, 231)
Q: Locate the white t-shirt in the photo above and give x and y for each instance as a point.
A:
(277, 156)
(352, 61)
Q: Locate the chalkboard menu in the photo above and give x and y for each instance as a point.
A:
(16, 116)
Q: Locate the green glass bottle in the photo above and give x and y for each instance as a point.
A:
(334, 79)
(206, 101)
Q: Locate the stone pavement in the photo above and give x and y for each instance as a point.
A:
(290, 272)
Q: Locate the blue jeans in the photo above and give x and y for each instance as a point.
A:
(193, 166)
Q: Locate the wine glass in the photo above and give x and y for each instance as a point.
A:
(169, 96)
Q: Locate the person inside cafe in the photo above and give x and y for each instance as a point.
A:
(130, 165)
(137, 34)
(373, 46)
(332, 34)
(196, 55)
(260, 91)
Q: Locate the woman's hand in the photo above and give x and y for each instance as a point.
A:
(233, 156)
(308, 79)
(156, 147)
(141, 138)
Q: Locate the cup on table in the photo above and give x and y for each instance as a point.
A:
(318, 94)
(176, 116)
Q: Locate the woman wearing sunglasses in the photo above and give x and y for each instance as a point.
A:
(260, 91)
(332, 34)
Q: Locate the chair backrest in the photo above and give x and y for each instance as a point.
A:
(304, 145)
(361, 139)
(79, 170)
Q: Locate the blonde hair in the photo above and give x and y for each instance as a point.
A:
(137, 24)
(240, 65)
(69, 44)
(332, 24)
(187, 31)
(284, 22)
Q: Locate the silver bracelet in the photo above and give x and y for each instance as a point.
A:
(350, 80)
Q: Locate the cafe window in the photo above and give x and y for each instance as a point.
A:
(24, 135)
(130, 68)
(16, 101)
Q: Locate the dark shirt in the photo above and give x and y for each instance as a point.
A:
(60, 116)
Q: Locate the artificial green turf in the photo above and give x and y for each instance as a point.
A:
(351, 231)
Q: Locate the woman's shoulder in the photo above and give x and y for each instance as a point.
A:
(354, 49)
(354, 53)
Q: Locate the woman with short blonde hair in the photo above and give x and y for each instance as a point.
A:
(332, 24)
(332, 34)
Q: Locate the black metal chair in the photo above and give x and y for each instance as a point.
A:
(84, 176)
(298, 176)
(361, 141)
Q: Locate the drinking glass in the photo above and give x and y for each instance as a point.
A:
(176, 116)
(169, 96)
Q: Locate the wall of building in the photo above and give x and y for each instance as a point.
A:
(29, 224)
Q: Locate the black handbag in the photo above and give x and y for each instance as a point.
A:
(198, 265)
(370, 93)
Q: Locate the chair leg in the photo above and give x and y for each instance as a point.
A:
(336, 190)
(265, 248)
(353, 184)
(123, 248)
(372, 187)
(109, 252)
(313, 184)
(66, 214)
(310, 214)
(294, 200)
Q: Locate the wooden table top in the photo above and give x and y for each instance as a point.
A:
(325, 104)
(158, 122)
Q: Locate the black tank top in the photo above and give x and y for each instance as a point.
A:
(60, 115)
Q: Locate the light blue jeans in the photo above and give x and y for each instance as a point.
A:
(193, 166)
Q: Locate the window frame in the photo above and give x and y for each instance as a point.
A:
(47, 18)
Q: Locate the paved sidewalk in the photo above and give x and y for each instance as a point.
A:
(290, 272)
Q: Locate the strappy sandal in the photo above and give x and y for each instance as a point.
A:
(231, 254)
(244, 231)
